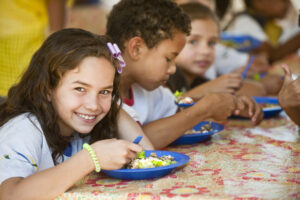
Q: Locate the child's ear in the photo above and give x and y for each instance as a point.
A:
(135, 46)
(49, 96)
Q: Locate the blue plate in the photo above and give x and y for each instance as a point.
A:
(198, 137)
(185, 105)
(272, 111)
(149, 173)
(243, 43)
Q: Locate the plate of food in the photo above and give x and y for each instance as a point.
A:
(150, 164)
(270, 106)
(184, 104)
(201, 132)
(183, 101)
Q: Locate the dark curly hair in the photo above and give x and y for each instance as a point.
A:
(61, 52)
(152, 20)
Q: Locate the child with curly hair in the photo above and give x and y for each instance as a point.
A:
(151, 34)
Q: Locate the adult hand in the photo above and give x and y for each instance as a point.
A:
(289, 95)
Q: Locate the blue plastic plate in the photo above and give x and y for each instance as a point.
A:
(272, 111)
(243, 43)
(149, 173)
(198, 137)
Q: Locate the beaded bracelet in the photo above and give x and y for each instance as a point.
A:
(93, 156)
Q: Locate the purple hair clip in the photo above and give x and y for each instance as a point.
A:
(116, 52)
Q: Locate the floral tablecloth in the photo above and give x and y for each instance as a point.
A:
(241, 162)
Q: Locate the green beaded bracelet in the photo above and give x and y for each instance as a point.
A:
(87, 147)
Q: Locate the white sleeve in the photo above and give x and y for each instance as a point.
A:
(211, 73)
(229, 59)
(131, 112)
(245, 25)
(164, 101)
(21, 148)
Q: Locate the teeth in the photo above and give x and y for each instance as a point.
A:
(86, 116)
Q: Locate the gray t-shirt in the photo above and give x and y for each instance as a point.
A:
(24, 149)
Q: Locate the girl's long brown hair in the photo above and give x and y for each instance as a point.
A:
(61, 52)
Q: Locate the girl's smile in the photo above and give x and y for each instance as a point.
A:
(86, 118)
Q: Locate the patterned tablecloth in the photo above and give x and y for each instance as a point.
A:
(241, 162)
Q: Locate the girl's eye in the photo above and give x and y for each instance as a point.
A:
(193, 42)
(105, 92)
(168, 59)
(212, 43)
(80, 89)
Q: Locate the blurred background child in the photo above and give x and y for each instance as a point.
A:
(230, 60)
(151, 34)
(199, 54)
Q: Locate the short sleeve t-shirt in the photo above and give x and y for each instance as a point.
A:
(147, 106)
(24, 149)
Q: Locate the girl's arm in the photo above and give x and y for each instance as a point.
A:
(129, 129)
(49, 183)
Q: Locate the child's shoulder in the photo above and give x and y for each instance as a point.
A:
(152, 95)
(24, 126)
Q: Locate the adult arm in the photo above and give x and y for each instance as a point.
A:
(56, 14)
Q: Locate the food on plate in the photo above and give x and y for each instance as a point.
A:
(204, 129)
(182, 100)
(269, 105)
(152, 161)
(185, 100)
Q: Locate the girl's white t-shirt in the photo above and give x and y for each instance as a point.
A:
(151, 105)
(227, 60)
(24, 149)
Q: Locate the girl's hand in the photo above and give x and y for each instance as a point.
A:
(289, 95)
(247, 107)
(228, 83)
(260, 64)
(114, 154)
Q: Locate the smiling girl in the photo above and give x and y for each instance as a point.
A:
(67, 99)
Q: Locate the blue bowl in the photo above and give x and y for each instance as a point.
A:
(198, 137)
(185, 105)
(269, 112)
(149, 173)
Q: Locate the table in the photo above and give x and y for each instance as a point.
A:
(241, 162)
